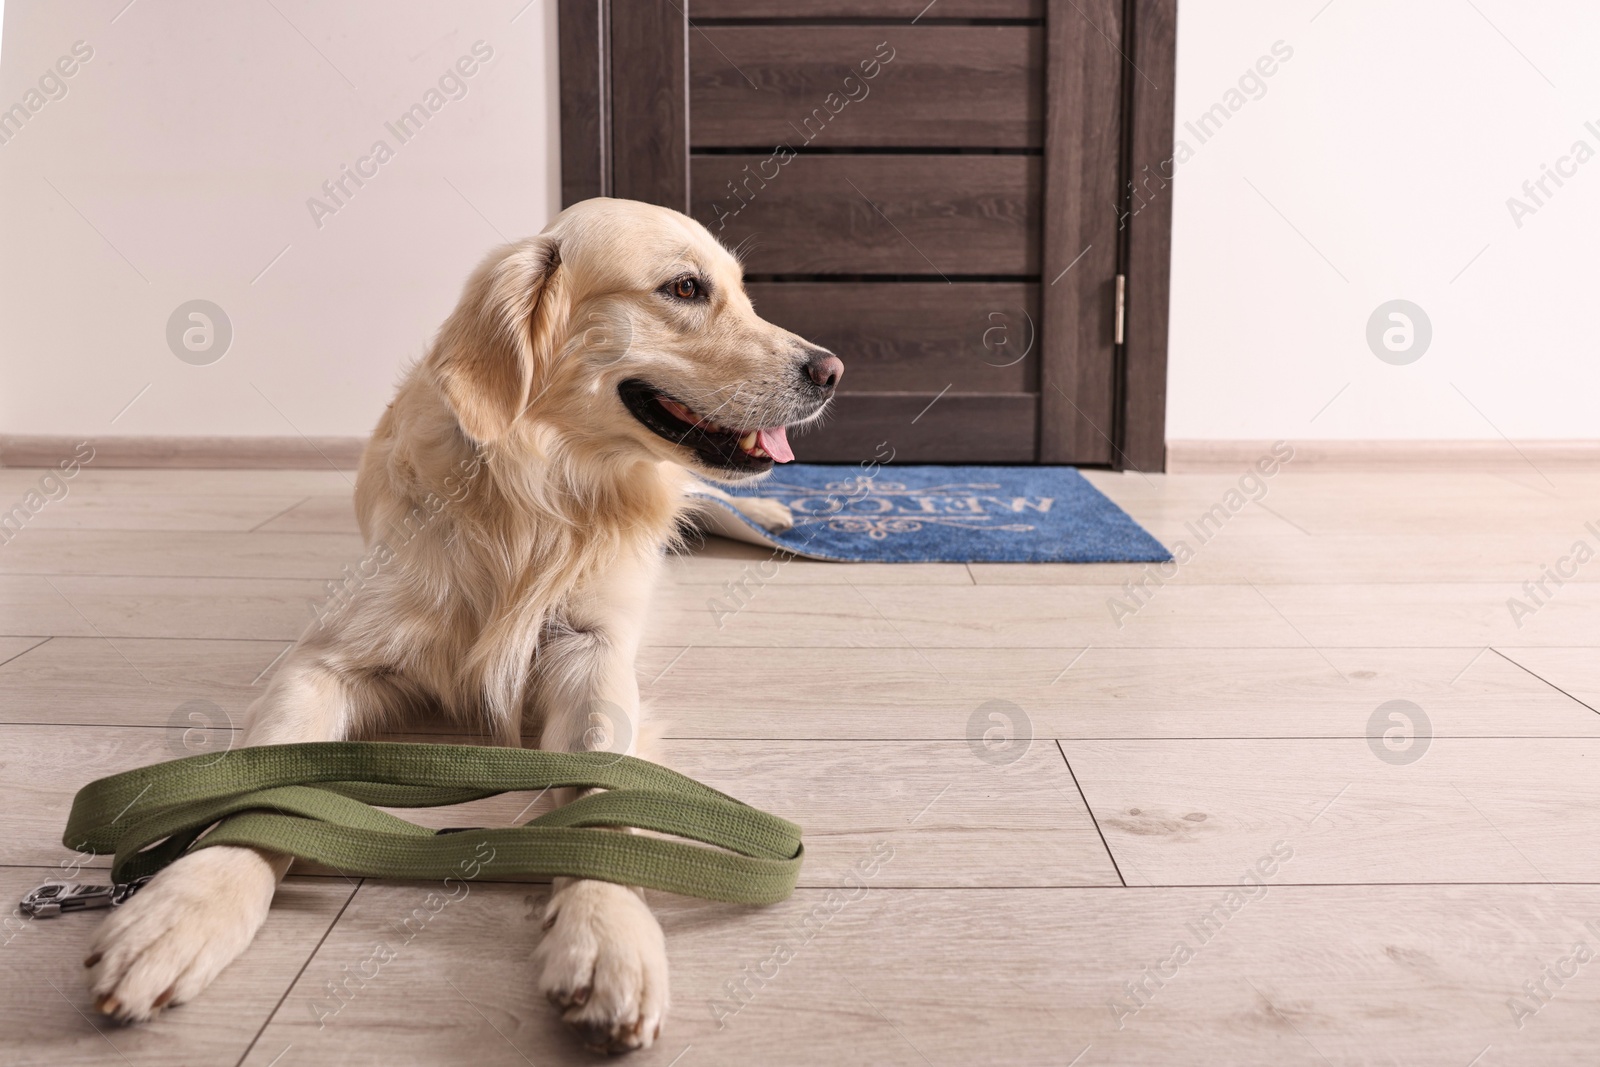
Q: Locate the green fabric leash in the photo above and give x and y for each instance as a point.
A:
(315, 802)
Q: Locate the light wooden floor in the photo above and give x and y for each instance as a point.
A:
(1221, 730)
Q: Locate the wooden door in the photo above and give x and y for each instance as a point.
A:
(938, 192)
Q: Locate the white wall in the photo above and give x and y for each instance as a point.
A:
(193, 138)
(179, 164)
(1392, 140)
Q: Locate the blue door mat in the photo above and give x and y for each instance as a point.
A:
(940, 515)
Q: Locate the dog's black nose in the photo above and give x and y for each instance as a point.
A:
(825, 369)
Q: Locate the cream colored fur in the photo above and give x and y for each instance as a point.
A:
(525, 513)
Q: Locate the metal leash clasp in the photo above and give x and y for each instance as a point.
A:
(56, 898)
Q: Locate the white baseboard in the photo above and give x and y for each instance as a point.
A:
(1183, 457)
(1198, 457)
(235, 453)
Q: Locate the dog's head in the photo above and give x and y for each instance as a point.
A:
(626, 326)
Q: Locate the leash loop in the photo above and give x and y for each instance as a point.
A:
(318, 801)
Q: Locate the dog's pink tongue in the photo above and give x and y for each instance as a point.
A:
(775, 443)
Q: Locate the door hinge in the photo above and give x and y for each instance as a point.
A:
(1119, 327)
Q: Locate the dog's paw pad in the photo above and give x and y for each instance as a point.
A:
(603, 964)
(166, 944)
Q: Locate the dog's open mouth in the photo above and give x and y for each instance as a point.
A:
(726, 447)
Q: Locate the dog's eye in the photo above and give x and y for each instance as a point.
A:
(687, 287)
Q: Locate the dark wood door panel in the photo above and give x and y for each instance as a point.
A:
(866, 9)
(649, 133)
(582, 63)
(955, 429)
(1150, 170)
(874, 86)
(861, 214)
(1082, 231)
(973, 337)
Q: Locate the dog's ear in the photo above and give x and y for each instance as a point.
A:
(495, 351)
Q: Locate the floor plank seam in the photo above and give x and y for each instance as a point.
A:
(1243, 583)
(946, 740)
(1092, 818)
(1053, 887)
(1533, 673)
(24, 652)
(279, 515)
(296, 979)
(675, 646)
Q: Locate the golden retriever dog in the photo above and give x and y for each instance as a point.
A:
(523, 487)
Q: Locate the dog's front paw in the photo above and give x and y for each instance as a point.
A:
(768, 514)
(167, 942)
(603, 963)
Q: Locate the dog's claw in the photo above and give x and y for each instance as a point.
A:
(166, 944)
(595, 1036)
(569, 998)
(603, 965)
